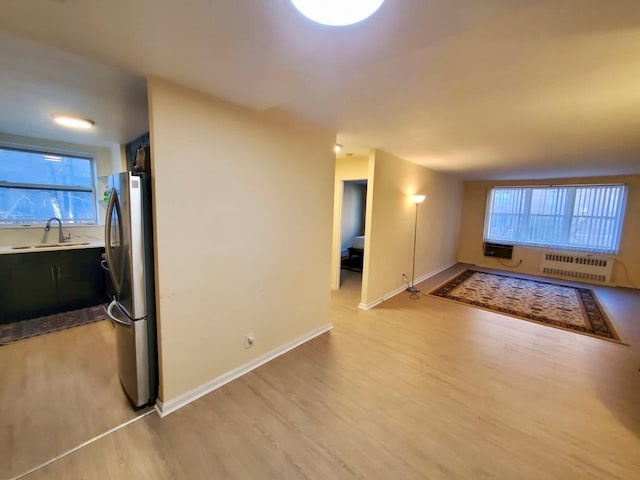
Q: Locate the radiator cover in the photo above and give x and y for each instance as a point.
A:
(577, 267)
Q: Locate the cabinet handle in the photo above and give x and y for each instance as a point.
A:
(55, 273)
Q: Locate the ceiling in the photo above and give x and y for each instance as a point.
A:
(37, 81)
(480, 88)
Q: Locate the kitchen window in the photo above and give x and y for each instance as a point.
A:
(38, 185)
(576, 217)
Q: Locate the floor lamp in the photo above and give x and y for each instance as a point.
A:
(417, 199)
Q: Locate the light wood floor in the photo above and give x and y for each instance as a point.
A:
(411, 389)
(56, 392)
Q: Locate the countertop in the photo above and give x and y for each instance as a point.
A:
(49, 247)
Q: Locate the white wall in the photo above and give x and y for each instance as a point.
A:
(390, 224)
(242, 211)
(106, 163)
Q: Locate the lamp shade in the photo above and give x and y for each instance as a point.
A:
(418, 198)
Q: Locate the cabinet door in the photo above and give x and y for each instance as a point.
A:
(27, 286)
(80, 279)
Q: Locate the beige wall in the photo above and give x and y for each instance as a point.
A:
(472, 228)
(347, 168)
(391, 215)
(242, 211)
(106, 160)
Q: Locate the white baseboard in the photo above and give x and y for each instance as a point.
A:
(170, 406)
(370, 305)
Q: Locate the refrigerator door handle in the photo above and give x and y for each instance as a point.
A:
(114, 204)
(114, 318)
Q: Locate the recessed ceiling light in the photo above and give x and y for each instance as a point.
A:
(337, 148)
(337, 12)
(73, 122)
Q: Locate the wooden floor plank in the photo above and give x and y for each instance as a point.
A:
(411, 389)
(57, 391)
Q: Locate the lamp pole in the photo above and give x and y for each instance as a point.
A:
(417, 199)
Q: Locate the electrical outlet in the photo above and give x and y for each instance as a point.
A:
(248, 340)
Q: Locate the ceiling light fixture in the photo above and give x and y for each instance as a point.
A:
(52, 158)
(73, 122)
(337, 13)
(337, 148)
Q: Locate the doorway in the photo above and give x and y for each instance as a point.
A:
(352, 227)
(352, 224)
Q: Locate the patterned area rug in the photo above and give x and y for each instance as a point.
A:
(561, 306)
(12, 332)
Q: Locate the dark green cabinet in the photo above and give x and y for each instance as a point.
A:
(42, 283)
(27, 286)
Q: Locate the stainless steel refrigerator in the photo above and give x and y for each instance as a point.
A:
(129, 261)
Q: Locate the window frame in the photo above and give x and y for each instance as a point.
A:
(43, 150)
(567, 216)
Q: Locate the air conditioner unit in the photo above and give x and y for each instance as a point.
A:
(498, 250)
(577, 267)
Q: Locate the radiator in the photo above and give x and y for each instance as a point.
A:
(581, 268)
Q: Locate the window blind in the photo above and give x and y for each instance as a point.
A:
(576, 217)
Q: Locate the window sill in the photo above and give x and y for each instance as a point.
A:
(53, 227)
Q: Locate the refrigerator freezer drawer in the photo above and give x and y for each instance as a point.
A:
(133, 366)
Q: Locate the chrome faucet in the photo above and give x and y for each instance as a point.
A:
(61, 237)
